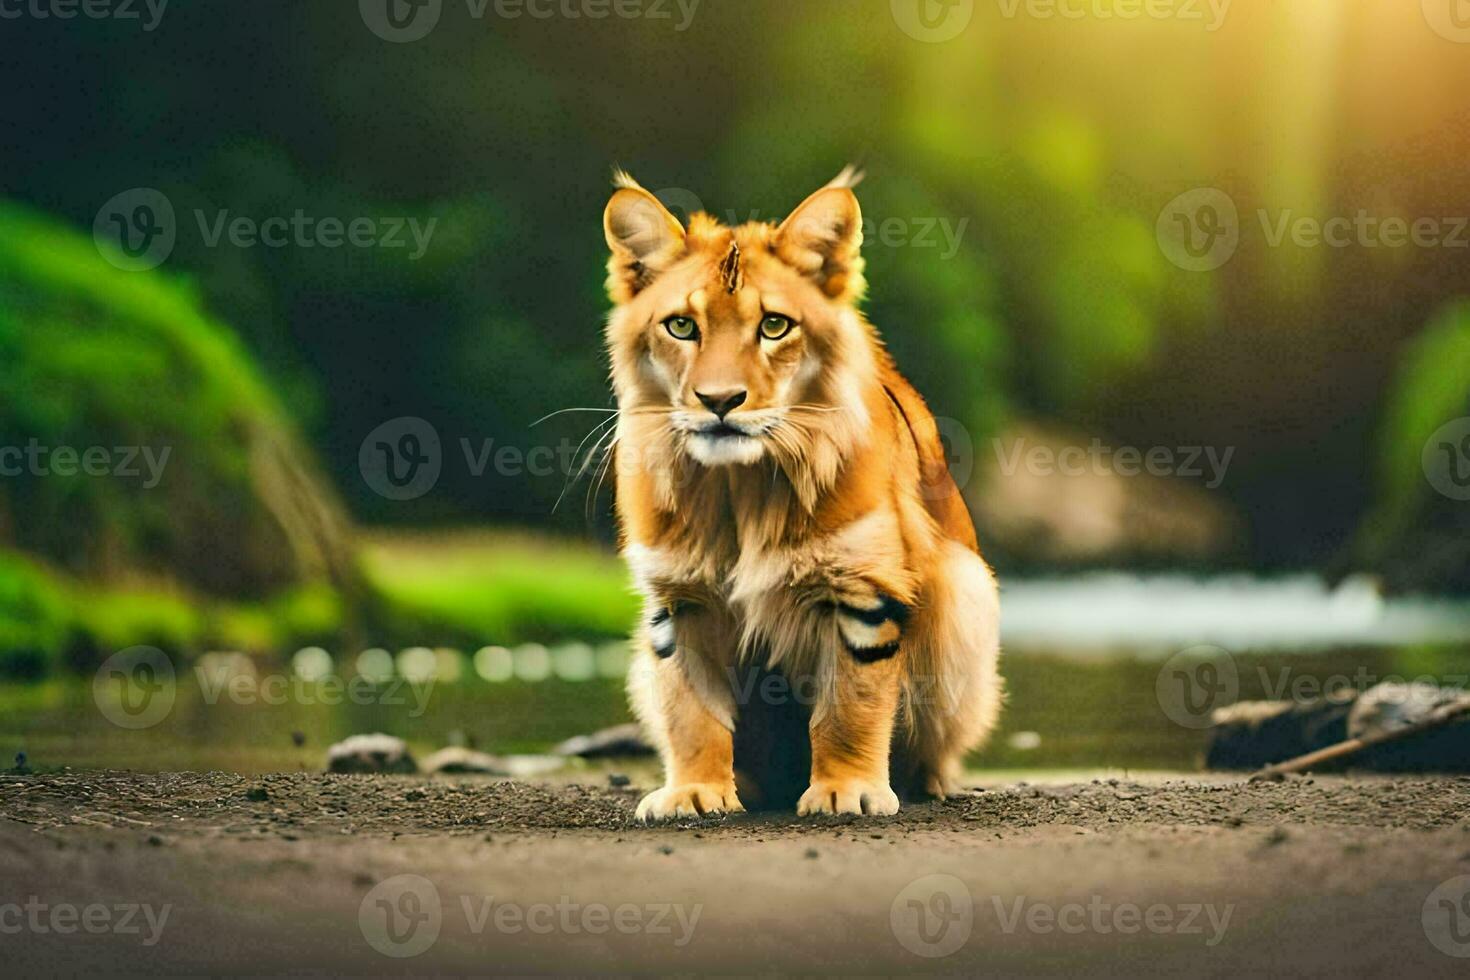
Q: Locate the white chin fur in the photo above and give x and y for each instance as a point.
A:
(725, 450)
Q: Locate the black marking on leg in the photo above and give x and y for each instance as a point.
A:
(869, 655)
(888, 609)
(661, 634)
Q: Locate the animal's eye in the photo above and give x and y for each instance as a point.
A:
(775, 326)
(681, 327)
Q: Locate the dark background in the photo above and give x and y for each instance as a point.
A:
(1058, 143)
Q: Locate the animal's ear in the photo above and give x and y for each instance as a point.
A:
(645, 239)
(822, 240)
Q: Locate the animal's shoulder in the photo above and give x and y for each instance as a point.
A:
(941, 495)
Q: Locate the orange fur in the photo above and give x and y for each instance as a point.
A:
(813, 528)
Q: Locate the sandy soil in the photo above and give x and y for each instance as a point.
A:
(308, 873)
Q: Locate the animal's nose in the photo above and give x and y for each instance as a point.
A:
(722, 403)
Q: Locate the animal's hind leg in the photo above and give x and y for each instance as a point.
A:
(953, 690)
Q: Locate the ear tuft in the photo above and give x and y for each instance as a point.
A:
(823, 237)
(644, 238)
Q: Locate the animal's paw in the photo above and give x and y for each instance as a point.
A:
(848, 796)
(689, 800)
(940, 787)
(871, 625)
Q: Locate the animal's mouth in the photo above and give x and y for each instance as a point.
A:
(723, 430)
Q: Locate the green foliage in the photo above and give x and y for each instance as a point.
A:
(499, 590)
(1430, 387)
(34, 618)
(125, 365)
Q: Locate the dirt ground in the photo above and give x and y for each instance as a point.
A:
(310, 873)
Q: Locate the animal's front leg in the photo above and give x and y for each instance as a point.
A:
(696, 745)
(852, 726)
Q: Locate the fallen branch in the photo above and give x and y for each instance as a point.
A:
(1436, 719)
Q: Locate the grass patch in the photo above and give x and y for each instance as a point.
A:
(478, 587)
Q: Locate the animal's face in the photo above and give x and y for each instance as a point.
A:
(734, 343)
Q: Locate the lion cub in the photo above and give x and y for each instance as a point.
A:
(785, 507)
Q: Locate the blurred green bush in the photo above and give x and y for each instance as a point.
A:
(200, 479)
